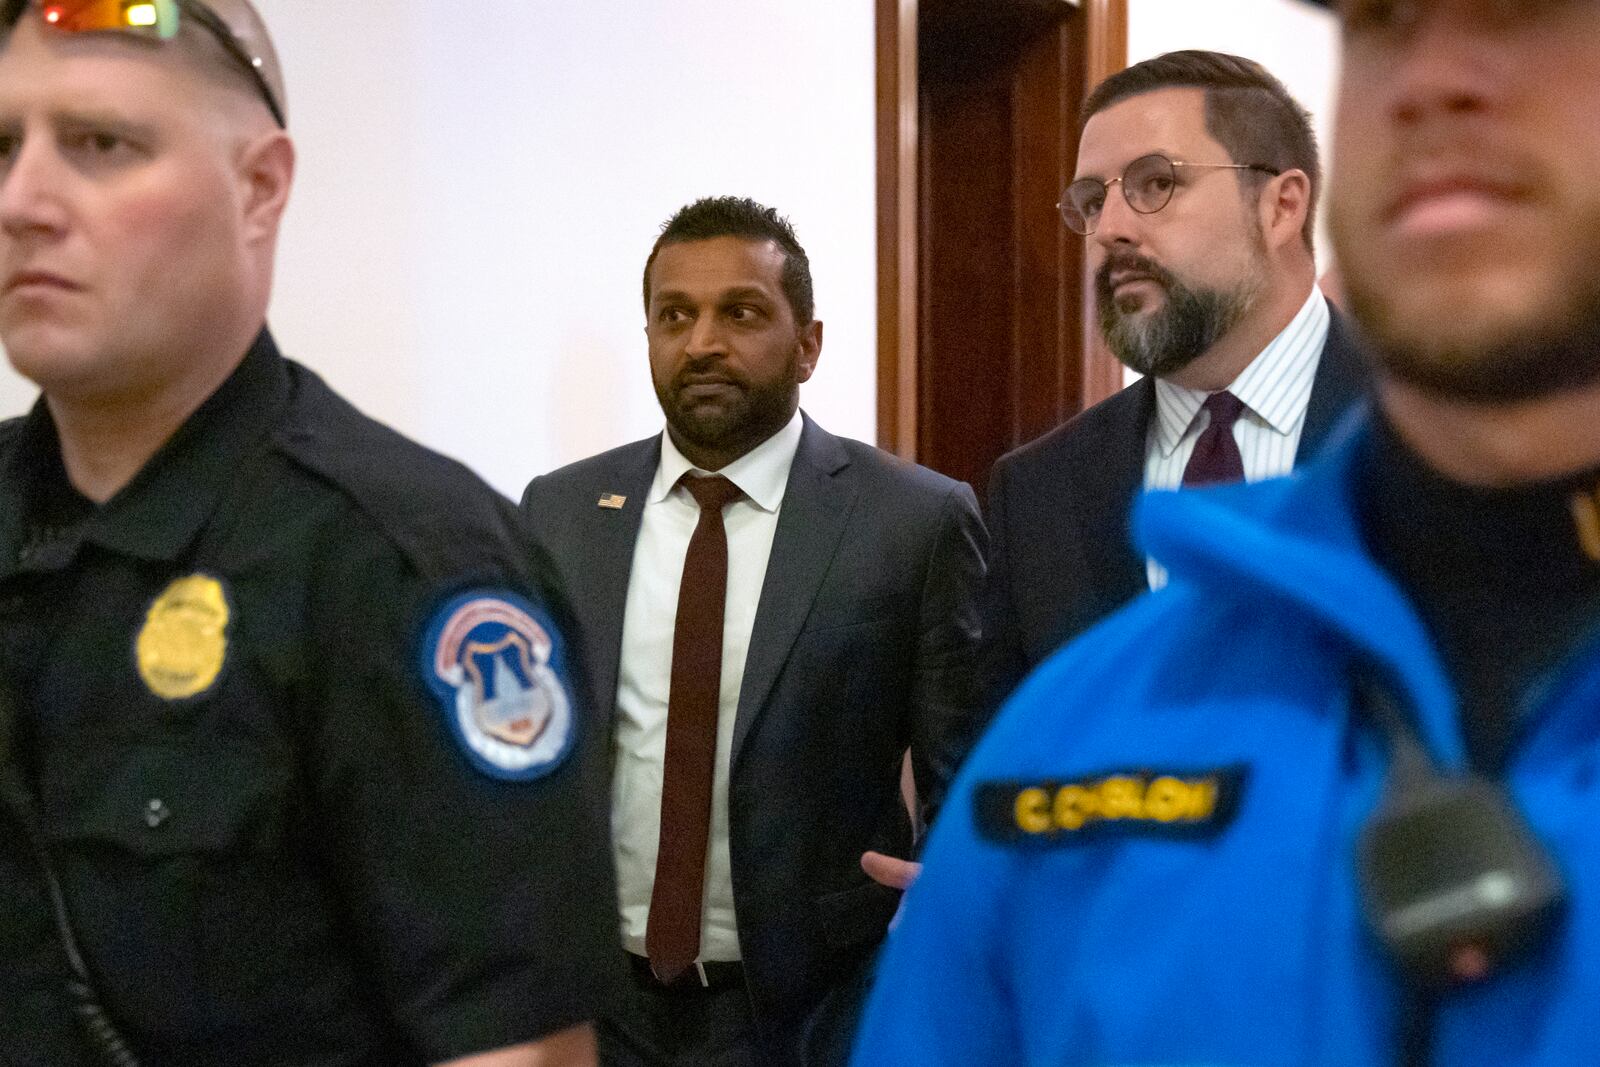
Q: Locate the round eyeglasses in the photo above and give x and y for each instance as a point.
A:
(1147, 185)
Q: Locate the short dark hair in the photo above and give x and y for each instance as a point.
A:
(1248, 112)
(739, 216)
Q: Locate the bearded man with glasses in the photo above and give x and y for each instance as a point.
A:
(1196, 188)
(290, 766)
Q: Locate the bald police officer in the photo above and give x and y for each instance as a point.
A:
(290, 758)
(1328, 799)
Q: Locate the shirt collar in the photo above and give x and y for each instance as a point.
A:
(1297, 541)
(157, 514)
(1276, 386)
(761, 474)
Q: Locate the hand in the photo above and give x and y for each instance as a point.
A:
(574, 1047)
(890, 871)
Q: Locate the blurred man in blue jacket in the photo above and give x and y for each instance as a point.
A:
(1332, 804)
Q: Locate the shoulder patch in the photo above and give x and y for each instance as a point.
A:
(496, 664)
(1142, 803)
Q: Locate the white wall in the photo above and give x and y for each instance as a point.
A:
(1295, 41)
(479, 186)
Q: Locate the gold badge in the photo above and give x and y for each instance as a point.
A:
(184, 641)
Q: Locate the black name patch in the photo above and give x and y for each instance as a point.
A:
(1146, 803)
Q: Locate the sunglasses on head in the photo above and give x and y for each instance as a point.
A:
(156, 19)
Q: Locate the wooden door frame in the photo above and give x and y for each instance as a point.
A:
(898, 209)
(1108, 53)
(897, 125)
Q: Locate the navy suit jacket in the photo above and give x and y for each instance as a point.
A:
(1061, 551)
(864, 644)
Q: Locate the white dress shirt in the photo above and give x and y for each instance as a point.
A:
(1275, 389)
(645, 673)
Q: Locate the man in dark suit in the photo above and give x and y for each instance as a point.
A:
(1197, 182)
(773, 616)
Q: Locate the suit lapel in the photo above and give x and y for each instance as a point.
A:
(816, 506)
(1340, 381)
(614, 533)
(1116, 573)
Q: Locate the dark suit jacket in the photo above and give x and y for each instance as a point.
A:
(1061, 552)
(864, 644)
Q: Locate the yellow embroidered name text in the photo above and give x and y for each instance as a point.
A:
(1166, 800)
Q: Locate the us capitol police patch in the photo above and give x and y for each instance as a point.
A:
(495, 662)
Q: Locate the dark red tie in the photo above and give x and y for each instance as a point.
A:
(672, 934)
(1216, 454)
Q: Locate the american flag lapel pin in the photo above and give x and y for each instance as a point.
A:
(613, 501)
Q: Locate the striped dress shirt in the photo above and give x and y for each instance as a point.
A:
(1275, 389)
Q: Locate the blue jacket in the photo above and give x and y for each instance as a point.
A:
(1149, 858)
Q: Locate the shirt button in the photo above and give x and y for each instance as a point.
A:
(156, 813)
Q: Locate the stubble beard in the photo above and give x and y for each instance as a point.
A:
(1452, 351)
(1188, 323)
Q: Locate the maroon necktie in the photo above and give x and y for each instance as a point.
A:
(1216, 454)
(672, 934)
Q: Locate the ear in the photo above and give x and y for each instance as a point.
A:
(1285, 200)
(266, 172)
(810, 348)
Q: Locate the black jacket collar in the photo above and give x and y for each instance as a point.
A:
(157, 515)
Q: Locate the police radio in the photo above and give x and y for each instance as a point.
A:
(1453, 881)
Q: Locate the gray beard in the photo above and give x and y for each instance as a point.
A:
(1184, 328)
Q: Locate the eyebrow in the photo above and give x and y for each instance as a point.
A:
(103, 118)
(737, 293)
(1169, 153)
(92, 117)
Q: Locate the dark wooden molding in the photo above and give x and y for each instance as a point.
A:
(1105, 54)
(897, 225)
(985, 339)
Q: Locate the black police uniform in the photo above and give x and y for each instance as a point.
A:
(277, 840)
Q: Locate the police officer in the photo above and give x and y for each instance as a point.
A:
(291, 764)
(1328, 800)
